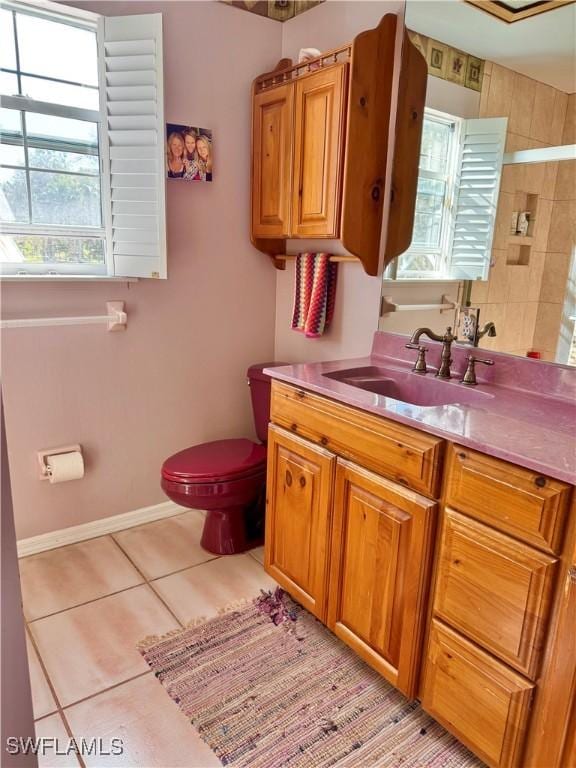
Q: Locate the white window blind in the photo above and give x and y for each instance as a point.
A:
(131, 98)
(476, 197)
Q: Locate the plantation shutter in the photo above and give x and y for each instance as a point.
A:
(476, 196)
(131, 88)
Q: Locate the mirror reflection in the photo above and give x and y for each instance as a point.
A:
(494, 228)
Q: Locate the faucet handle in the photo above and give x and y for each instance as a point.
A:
(470, 376)
(420, 364)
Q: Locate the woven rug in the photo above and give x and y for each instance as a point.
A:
(268, 686)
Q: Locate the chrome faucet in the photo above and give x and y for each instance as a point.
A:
(447, 339)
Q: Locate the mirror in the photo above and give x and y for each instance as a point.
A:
(494, 227)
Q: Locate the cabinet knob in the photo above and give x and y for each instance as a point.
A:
(375, 193)
(302, 481)
(540, 481)
(288, 478)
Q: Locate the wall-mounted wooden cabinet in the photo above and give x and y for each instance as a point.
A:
(298, 131)
(320, 147)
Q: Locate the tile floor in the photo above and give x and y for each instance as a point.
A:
(88, 604)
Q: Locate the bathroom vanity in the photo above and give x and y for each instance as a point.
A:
(435, 535)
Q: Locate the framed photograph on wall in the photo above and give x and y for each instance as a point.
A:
(189, 153)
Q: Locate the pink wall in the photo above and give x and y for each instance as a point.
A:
(358, 296)
(176, 376)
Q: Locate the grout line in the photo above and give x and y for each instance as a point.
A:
(164, 603)
(87, 602)
(58, 710)
(252, 555)
(186, 568)
(69, 730)
(44, 671)
(105, 690)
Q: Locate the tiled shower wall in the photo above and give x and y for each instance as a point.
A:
(525, 299)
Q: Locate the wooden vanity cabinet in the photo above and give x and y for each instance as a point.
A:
(485, 634)
(353, 546)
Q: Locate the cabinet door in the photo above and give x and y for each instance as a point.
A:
(381, 551)
(272, 143)
(318, 152)
(298, 517)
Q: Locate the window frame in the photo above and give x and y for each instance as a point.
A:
(442, 252)
(83, 20)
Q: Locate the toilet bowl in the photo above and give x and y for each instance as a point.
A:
(226, 478)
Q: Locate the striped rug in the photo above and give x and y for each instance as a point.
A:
(268, 686)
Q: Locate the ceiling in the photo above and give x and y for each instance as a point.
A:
(542, 47)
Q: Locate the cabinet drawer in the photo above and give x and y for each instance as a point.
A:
(512, 499)
(404, 454)
(494, 589)
(478, 699)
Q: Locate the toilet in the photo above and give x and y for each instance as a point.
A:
(227, 478)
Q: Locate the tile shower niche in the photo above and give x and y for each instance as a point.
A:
(520, 245)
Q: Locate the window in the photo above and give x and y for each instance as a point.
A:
(458, 185)
(430, 237)
(81, 126)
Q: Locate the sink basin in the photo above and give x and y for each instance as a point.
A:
(409, 387)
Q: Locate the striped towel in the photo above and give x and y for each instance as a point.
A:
(314, 293)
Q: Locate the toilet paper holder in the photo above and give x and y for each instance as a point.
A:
(43, 457)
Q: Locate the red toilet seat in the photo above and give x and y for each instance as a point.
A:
(215, 462)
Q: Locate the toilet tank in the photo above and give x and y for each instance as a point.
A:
(260, 385)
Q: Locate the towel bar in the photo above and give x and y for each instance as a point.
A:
(335, 257)
(116, 319)
(388, 305)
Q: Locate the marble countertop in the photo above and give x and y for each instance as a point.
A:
(522, 411)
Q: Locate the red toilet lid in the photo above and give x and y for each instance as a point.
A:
(214, 461)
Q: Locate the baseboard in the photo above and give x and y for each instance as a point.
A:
(75, 533)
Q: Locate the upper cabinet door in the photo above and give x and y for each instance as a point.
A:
(272, 146)
(381, 553)
(318, 141)
(299, 500)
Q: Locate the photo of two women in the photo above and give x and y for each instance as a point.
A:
(188, 153)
